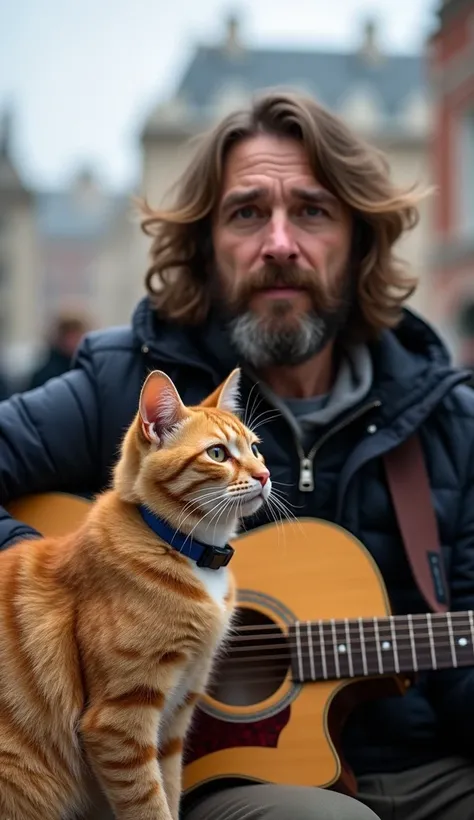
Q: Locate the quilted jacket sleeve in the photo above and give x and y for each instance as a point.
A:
(49, 441)
(452, 691)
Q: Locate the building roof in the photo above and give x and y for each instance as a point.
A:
(328, 76)
(391, 87)
(82, 212)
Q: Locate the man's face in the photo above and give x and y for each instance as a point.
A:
(281, 253)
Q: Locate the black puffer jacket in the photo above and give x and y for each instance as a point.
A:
(64, 437)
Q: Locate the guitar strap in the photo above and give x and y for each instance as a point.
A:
(411, 495)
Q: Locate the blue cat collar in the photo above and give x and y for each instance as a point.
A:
(205, 555)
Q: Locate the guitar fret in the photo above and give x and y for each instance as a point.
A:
(328, 636)
(335, 648)
(299, 651)
(412, 642)
(423, 642)
(344, 649)
(431, 638)
(461, 623)
(394, 644)
(451, 639)
(311, 651)
(323, 650)
(349, 647)
(386, 653)
(377, 646)
(352, 647)
(363, 647)
(318, 656)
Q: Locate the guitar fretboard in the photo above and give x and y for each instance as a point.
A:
(326, 650)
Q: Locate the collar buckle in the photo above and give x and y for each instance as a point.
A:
(215, 557)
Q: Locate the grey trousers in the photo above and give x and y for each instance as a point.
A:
(443, 790)
(261, 803)
(278, 803)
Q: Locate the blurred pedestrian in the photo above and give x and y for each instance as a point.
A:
(68, 328)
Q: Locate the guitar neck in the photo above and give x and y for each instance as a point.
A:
(326, 650)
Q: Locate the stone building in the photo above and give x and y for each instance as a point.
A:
(451, 61)
(383, 96)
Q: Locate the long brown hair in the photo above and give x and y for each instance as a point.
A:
(356, 173)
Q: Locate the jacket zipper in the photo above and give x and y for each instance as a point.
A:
(306, 480)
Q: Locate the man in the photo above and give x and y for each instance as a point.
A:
(278, 255)
(68, 328)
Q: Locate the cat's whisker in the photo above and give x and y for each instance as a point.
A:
(281, 505)
(203, 496)
(279, 494)
(271, 412)
(198, 510)
(262, 422)
(282, 508)
(222, 501)
(255, 406)
(278, 523)
(255, 398)
(225, 507)
(208, 495)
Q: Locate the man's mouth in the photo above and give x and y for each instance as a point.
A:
(281, 290)
(276, 292)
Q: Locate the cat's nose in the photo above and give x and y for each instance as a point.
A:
(263, 475)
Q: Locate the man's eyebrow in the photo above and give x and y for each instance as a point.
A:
(315, 196)
(243, 197)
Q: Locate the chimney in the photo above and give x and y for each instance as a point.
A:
(232, 42)
(370, 48)
(6, 122)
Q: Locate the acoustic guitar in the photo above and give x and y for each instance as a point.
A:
(313, 637)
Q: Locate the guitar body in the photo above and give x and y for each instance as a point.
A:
(256, 723)
(310, 570)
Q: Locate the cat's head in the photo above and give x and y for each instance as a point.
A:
(197, 466)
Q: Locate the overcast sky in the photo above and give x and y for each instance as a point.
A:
(84, 73)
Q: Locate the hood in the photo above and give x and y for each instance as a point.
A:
(412, 370)
(411, 364)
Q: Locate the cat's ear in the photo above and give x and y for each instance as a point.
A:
(160, 406)
(229, 395)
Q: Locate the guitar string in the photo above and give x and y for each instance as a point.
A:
(316, 647)
(343, 637)
(280, 675)
(280, 671)
(382, 620)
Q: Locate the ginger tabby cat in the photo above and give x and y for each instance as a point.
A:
(107, 635)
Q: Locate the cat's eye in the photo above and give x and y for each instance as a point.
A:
(255, 450)
(218, 453)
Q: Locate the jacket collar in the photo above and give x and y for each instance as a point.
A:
(412, 366)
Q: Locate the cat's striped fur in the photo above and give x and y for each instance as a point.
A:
(107, 636)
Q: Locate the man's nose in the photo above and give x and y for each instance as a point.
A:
(279, 245)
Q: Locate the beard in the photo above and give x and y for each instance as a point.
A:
(283, 335)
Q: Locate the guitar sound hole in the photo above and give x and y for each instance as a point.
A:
(254, 663)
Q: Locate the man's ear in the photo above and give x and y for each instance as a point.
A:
(160, 406)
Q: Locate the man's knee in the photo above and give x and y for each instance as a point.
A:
(270, 802)
(297, 803)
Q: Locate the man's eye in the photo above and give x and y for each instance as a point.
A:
(247, 212)
(313, 210)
